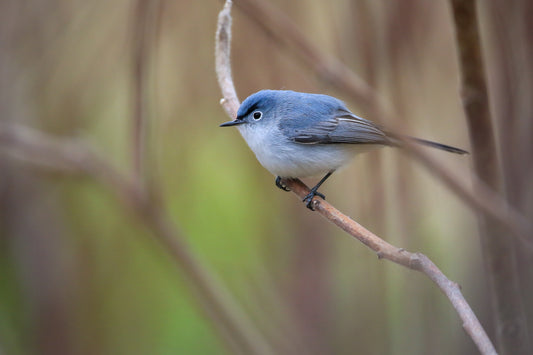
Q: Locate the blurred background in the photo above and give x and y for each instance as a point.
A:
(79, 272)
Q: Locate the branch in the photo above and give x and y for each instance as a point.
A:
(230, 102)
(39, 150)
(415, 261)
(482, 198)
(144, 29)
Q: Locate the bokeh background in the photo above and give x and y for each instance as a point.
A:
(80, 274)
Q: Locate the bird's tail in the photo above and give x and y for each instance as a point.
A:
(440, 146)
(396, 140)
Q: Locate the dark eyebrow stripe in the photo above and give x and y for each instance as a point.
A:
(250, 109)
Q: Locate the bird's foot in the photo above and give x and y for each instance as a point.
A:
(280, 185)
(308, 200)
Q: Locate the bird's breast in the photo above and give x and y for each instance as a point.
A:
(283, 157)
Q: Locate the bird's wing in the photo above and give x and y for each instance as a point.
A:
(341, 127)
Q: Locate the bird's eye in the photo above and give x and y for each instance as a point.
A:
(257, 115)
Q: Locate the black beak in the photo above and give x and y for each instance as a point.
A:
(232, 123)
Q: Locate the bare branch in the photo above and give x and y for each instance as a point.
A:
(415, 261)
(145, 29)
(230, 101)
(384, 250)
(482, 198)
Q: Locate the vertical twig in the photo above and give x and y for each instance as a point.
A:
(144, 29)
(229, 100)
(498, 250)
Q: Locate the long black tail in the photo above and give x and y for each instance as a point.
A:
(440, 146)
(396, 140)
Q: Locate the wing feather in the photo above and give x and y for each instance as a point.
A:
(344, 127)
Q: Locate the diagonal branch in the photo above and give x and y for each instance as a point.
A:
(72, 157)
(415, 261)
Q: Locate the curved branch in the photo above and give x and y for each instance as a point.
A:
(415, 261)
(230, 101)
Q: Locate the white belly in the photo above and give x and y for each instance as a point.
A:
(288, 159)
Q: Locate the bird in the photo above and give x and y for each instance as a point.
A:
(295, 135)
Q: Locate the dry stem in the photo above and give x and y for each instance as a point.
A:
(144, 34)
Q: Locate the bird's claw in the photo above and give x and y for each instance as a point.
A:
(308, 200)
(280, 185)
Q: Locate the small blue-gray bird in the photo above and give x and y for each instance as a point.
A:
(296, 134)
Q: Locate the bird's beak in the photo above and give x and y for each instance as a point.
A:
(232, 123)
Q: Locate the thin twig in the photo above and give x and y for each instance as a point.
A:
(230, 101)
(415, 261)
(144, 29)
(481, 198)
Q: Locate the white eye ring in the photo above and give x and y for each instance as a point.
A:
(257, 115)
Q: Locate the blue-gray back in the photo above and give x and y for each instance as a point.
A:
(322, 119)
